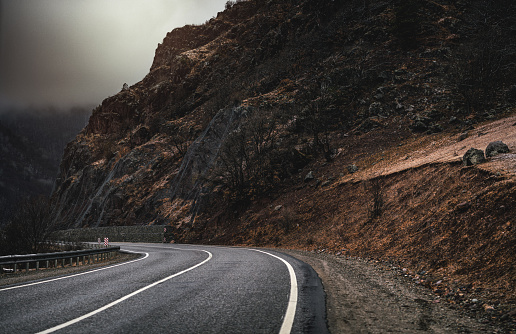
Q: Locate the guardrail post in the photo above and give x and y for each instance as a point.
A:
(27, 267)
(47, 263)
(37, 265)
(15, 267)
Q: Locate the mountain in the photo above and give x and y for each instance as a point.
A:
(32, 143)
(325, 125)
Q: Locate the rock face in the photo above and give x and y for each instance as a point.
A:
(495, 148)
(473, 157)
(235, 107)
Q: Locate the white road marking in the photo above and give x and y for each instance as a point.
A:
(288, 320)
(76, 320)
(75, 275)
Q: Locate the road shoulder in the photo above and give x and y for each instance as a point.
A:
(367, 297)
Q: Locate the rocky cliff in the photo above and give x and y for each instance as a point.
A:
(320, 69)
(328, 125)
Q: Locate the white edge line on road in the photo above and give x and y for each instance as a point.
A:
(288, 320)
(79, 274)
(76, 320)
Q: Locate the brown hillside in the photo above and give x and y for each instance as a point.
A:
(453, 222)
(217, 140)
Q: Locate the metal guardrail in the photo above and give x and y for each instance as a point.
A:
(11, 263)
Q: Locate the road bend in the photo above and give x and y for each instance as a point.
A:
(174, 289)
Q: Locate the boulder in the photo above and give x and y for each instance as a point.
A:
(309, 176)
(435, 128)
(420, 123)
(473, 157)
(352, 169)
(375, 108)
(418, 126)
(463, 136)
(495, 148)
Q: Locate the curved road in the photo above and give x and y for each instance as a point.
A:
(174, 289)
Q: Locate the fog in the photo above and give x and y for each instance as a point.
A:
(78, 52)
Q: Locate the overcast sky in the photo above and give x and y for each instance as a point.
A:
(76, 52)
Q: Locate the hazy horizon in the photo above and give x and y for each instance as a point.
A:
(66, 53)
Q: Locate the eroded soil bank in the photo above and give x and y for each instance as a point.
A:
(364, 296)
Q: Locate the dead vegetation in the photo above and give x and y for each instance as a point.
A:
(325, 86)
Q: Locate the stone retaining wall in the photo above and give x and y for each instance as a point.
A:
(115, 234)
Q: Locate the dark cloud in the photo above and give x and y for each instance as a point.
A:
(66, 52)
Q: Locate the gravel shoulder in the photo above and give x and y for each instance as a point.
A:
(367, 297)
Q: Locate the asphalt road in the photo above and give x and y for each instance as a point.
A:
(174, 289)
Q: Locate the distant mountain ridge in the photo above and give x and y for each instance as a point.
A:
(32, 144)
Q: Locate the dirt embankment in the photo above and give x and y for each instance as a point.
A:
(370, 297)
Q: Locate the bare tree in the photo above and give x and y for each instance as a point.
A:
(29, 228)
(246, 162)
(318, 123)
(375, 188)
(180, 138)
(485, 64)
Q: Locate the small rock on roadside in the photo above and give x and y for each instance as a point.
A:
(309, 176)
